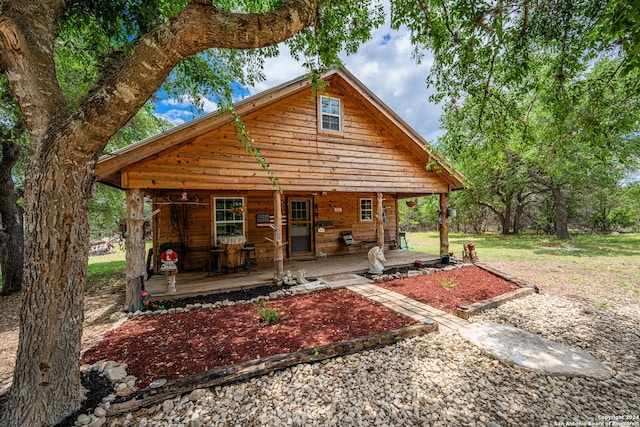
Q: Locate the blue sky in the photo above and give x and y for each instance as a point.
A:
(384, 65)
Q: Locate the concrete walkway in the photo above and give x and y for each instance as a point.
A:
(396, 302)
(505, 343)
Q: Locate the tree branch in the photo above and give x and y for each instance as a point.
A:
(447, 24)
(27, 31)
(198, 27)
(491, 207)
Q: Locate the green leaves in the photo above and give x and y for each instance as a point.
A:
(342, 25)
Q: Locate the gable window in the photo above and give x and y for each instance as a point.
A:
(330, 114)
(366, 209)
(229, 216)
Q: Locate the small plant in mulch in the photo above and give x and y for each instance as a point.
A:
(266, 313)
(149, 305)
(447, 283)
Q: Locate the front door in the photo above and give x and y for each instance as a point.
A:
(300, 226)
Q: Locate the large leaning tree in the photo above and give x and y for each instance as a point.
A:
(66, 137)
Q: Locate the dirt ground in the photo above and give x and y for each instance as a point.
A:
(601, 282)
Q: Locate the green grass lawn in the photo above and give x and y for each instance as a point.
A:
(537, 249)
(602, 267)
(106, 270)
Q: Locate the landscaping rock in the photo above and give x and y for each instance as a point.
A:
(115, 372)
(197, 394)
(438, 380)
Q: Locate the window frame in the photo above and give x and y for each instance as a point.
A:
(362, 210)
(235, 220)
(322, 114)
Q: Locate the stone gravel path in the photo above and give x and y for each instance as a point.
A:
(439, 379)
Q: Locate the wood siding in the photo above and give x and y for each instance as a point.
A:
(191, 223)
(368, 155)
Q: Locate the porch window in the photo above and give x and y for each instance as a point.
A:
(366, 209)
(229, 216)
(330, 114)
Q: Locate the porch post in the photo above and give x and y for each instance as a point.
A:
(444, 225)
(379, 223)
(135, 250)
(278, 255)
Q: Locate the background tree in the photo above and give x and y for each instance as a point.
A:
(107, 206)
(12, 143)
(144, 43)
(489, 157)
(585, 138)
(532, 53)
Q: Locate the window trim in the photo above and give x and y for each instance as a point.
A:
(361, 211)
(216, 222)
(321, 114)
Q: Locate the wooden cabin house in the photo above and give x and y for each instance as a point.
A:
(342, 160)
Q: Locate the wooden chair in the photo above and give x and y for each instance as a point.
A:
(402, 237)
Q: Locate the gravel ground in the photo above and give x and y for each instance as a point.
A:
(438, 380)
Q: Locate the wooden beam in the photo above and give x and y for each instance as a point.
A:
(379, 222)
(136, 266)
(278, 253)
(444, 225)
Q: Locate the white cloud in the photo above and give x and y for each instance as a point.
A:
(209, 105)
(176, 116)
(279, 70)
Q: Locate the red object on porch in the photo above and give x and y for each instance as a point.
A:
(166, 256)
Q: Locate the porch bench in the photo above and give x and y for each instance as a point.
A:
(346, 238)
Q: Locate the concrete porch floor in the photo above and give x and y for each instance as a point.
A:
(195, 283)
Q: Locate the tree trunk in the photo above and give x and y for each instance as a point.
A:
(46, 377)
(135, 250)
(278, 253)
(506, 218)
(521, 203)
(561, 214)
(379, 222)
(444, 226)
(516, 219)
(12, 237)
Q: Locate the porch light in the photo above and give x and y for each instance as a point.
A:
(184, 197)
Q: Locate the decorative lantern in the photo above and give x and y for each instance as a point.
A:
(184, 197)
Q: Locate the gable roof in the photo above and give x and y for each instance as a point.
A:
(110, 166)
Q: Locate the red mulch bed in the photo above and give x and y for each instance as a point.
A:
(171, 346)
(473, 284)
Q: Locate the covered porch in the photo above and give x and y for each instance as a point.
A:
(200, 283)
